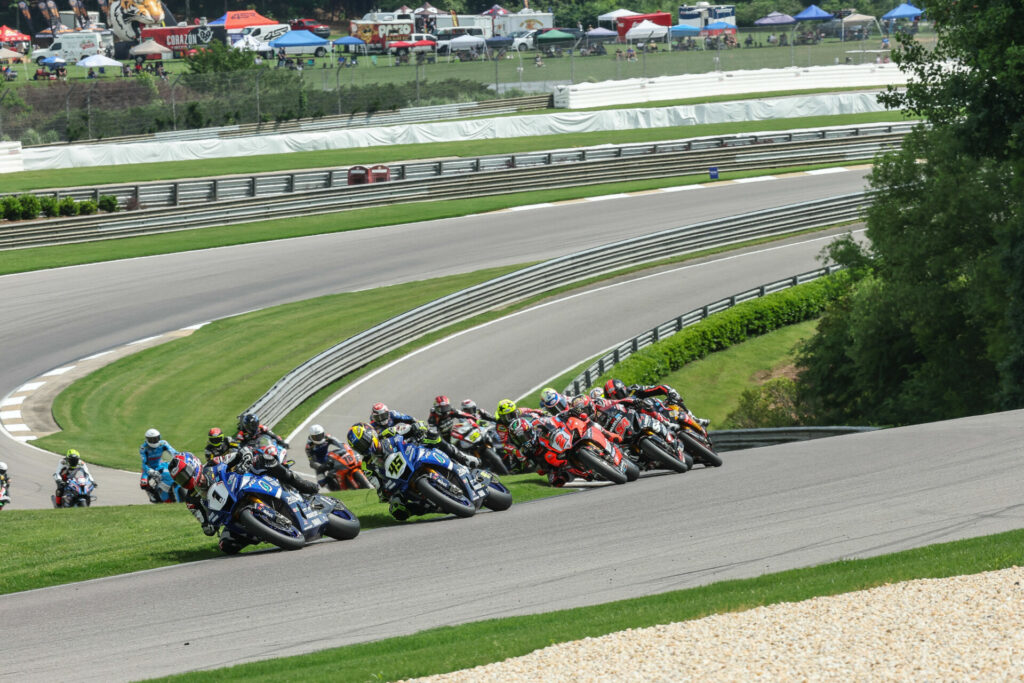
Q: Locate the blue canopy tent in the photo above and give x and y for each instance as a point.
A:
(351, 44)
(813, 13)
(298, 39)
(684, 30)
(904, 11)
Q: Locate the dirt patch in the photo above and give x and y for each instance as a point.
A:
(789, 370)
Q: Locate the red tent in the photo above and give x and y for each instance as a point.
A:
(243, 18)
(9, 35)
(623, 24)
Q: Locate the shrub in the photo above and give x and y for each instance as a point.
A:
(108, 203)
(68, 207)
(11, 208)
(30, 137)
(87, 208)
(48, 206)
(29, 206)
(773, 404)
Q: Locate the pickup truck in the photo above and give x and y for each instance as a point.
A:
(312, 25)
(414, 38)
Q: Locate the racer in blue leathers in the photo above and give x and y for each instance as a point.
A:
(151, 451)
(382, 417)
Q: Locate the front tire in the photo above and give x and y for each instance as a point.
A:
(631, 470)
(601, 467)
(492, 462)
(258, 528)
(449, 505)
(700, 452)
(498, 499)
(341, 527)
(319, 52)
(657, 454)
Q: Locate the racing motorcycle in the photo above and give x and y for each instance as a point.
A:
(4, 498)
(259, 509)
(161, 487)
(694, 437)
(646, 439)
(345, 471)
(433, 482)
(584, 445)
(78, 490)
(470, 438)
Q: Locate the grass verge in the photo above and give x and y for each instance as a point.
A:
(267, 163)
(447, 649)
(103, 541)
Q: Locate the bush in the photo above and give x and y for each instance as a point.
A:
(87, 208)
(773, 404)
(67, 207)
(29, 206)
(48, 206)
(722, 330)
(11, 208)
(108, 203)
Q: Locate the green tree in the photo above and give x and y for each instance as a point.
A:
(219, 58)
(933, 324)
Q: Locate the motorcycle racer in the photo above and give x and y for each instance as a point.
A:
(218, 445)
(470, 407)
(364, 440)
(382, 417)
(443, 416)
(250, 429)
(424, 434)
(71, 461)
(552, 401)
(617, 389)
(506, 412)
(318, 445)
(5, 481)
(151, 451)
(528, 436)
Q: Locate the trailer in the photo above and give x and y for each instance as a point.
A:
(703, 13)
(485, 24)
(181, 39)
(526, 20)
(377, 29)
(623, 24)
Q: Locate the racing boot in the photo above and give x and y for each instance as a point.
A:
(397, 509)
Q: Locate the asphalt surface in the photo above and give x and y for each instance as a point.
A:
(765, 510)
(52, 318)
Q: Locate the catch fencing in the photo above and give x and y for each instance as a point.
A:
(355, 352)
(623, 350)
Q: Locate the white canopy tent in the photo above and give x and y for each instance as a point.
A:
(466, 42)
(610, 17)
(647, 30)
(150, 47)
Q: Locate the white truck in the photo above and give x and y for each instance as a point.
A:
(72, 47)
(485, 24)
(264, 33)
(446, 35)
(524, 20)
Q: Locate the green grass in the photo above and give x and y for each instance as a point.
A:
(23, 260)
(188, 385)
(447, 649)
(104, 541)
(72, 177)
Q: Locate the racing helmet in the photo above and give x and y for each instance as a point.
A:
(248, 423)
(317, 434)
(616, 389)
(152, 437)
(363, 438)
(469, 406)
(596, 393)
(3, 468)
(551, 399)
(442, 405)
(506, 411)
(580, 405)
(520, 431)
(215, 437)
(73, 457)
(380, 414)
(186, 471)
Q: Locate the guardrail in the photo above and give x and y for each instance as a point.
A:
(727, 440)
(440, 112)
(357, 351)
(205, 190)
(625, 349)
(538, 175)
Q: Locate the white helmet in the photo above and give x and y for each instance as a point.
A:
(316, 434)
(3, 468)
(152, 437)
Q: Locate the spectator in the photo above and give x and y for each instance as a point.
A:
(91, 74)
(537, 61)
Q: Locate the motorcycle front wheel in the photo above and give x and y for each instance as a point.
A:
(342, 525)
(281, 532)
(657, 454)
(442, 500)
(700, 452)
(601, 467)
(498, 499)
(492, 461)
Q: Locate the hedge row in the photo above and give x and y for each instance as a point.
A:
(722, 330)
(27, 207)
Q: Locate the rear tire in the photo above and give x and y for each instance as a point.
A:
(699, 451)
(449, 505)
(492, 462)
(601, 467)
(258, 529)
(656, 453)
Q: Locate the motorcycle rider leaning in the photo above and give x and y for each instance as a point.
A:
(365, 440)
(151, 451)
(218, 445)
(382, 417)
(318, 445)
(421, 433)
(250, 430)
(71, 461)
(616, 389)
(470, 407)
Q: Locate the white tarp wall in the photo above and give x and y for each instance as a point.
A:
(584, 95)
(11, 159)
(69, 156)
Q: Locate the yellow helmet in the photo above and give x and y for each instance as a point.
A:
(363, 438)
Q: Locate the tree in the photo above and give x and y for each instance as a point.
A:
(933, 324)
(219, 58)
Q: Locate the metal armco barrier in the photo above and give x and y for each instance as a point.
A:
(457, 179)
(728, 440)
(357, 351)
(624, 350)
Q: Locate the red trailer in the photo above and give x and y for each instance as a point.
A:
(623, 24)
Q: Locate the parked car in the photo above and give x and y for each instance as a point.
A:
(414, 38)
(312, 25)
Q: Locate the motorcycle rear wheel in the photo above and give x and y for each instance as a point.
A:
(341, 527)
(700, 452)
(258, 529)
(655, 452)
(601, 467)
(492, 461)
(449, 505)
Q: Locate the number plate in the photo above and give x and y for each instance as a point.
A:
(395, 465)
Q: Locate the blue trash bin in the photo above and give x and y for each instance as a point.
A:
(713, 173)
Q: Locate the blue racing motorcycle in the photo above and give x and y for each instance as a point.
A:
(258, 509)
(427, 476)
